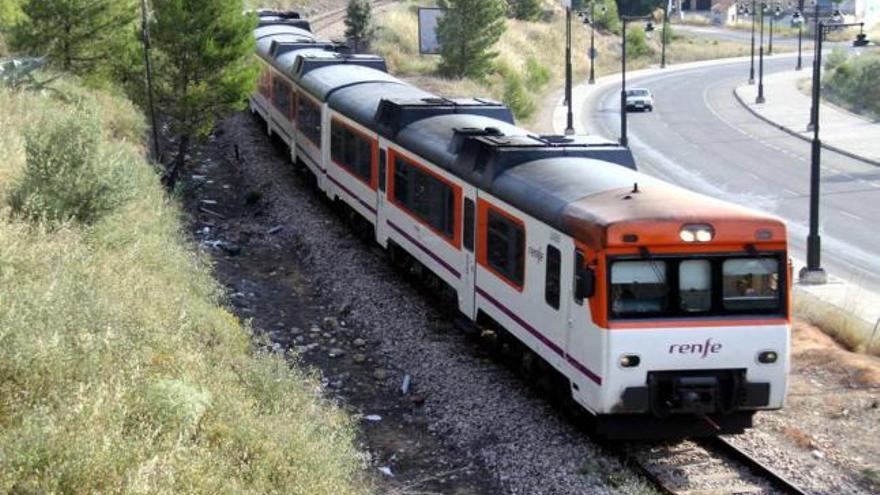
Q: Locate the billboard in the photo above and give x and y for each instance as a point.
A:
(428, 19)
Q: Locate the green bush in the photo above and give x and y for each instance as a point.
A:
(853, 83)
(836, 58)
(637, 43)
(537, 74)
(515, 95)
(68, 175)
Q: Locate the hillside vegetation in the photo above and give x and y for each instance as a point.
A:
(120, 371)
(851, 81)
(530, 65)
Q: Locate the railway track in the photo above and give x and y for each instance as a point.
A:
(323, 21)
(711, 466)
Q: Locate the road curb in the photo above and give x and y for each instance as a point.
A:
(800, 136)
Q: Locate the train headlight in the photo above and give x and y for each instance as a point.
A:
(629, 361)
(697, 233)
(768, 357)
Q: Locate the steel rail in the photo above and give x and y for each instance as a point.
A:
(757, 468)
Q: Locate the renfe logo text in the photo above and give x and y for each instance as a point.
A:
(702, 350)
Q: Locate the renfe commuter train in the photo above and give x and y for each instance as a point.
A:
(665, 312)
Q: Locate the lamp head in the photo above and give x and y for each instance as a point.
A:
(861, 40)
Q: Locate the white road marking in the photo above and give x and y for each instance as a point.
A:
(851, 215)
(789, 191)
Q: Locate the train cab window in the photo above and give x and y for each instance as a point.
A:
(695, 286)
(468, 225)
(351, 151)
(750, 284)
(309, 119)
(505, 247)
(281, 97)
(425, 196)
(551, 282)
(638, 288)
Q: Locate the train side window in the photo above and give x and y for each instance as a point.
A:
(309, 120)
(551, 282)
(425, 196)
(382, 178)
(281, 96)
(468, 225)
(351, 151)
(505, 247)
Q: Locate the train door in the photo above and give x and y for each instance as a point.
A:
(586, 342)
(468, 241)
(381, 196)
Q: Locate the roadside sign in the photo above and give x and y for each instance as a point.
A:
(428, 19)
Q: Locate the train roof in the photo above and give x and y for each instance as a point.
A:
(276, 30)
(307, 64)
(361, 102)
(324, 81)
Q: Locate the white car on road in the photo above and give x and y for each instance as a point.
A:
(639, 99)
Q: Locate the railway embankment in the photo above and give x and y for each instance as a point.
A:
(121, 371)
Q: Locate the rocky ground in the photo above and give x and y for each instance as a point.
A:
(466, 424)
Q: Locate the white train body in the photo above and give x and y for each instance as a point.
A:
(666, 311)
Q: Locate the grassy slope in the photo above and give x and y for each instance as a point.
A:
(119, 369)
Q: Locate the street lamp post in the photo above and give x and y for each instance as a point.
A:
(813, 273)
(773, 14)
(760, 98)
(592, 19)
(664, 39)
(624, 19)
(799, 19)
(752, 67)
(569, 127)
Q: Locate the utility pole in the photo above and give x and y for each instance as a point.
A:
(148, 69)
(569, 127)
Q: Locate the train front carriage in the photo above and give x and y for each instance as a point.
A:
(690, 308)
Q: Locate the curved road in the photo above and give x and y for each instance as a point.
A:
(700, 137)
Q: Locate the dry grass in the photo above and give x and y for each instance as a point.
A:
(841, 324)
(798, 437)
(120, 371)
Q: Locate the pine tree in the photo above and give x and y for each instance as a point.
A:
(358, 22)
(203, 52)
(526, 10)
(467, 32)
(78, 36)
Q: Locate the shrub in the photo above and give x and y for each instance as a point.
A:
(515, 96)
(537, 75)
(637, 43)
(837, 57)
(853, 83)
(68, 176)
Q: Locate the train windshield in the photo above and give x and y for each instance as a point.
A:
(696, 286)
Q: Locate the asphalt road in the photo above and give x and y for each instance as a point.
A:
(700, 137)
(742, 36)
